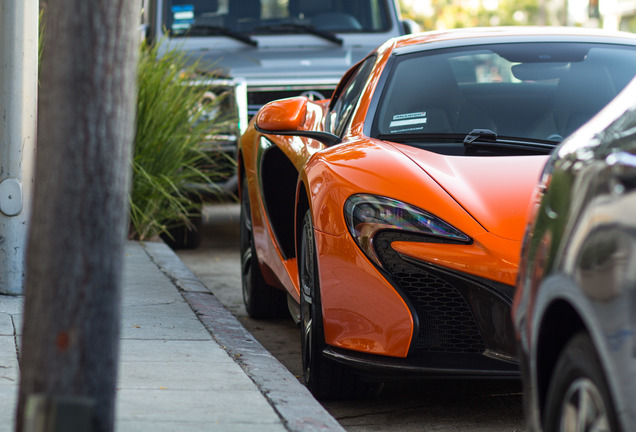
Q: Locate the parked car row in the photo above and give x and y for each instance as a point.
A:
(390, 219)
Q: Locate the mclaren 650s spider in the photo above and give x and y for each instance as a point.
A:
(388, 219)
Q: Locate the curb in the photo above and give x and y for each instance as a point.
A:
(292, 401)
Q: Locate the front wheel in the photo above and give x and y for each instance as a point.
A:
(325, 379)
(578, 398)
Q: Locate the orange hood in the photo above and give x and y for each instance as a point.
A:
(495, 190)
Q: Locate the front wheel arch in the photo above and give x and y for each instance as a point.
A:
(325, 378)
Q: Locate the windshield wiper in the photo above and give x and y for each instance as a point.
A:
(418, 137)
(304, 28)
(211, 30)
(477, 139)
(488, 138)
(480, 135)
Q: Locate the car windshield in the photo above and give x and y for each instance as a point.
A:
(220, 17)
(526, 92)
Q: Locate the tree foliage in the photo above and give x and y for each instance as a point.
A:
(447, 14)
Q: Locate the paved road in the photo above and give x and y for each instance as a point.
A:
(437, 405)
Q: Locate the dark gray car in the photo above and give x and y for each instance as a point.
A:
(575, 305)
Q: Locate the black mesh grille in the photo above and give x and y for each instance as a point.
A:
(446, 322)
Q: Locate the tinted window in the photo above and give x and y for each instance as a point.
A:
(275, 16)
(346, 100)
(532, 90)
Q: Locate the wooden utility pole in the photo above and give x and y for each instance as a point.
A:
(79, 215)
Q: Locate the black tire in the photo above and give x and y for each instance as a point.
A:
(184, 237)
(577, 375)
(261, 300)
(325, 378)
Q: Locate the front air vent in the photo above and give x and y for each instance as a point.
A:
(446, 323)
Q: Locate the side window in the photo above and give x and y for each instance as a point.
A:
(346, 99)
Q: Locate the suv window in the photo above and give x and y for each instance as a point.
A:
(182, 17)
(346, 99)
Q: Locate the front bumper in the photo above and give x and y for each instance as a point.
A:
(456, 312)
(460, 324)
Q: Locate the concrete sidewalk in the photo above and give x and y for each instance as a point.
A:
(186, 363)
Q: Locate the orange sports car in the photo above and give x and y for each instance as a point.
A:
(388, 219)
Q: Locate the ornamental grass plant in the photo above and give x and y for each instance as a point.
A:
(172, 129)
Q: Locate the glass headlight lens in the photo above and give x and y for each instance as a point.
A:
(209, 107)
(366, 215)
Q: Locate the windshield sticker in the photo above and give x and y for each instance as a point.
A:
(408, 119)
(182, 17)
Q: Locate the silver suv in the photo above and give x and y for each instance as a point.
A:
(261, 50)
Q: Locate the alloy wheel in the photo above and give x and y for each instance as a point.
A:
(583, 408)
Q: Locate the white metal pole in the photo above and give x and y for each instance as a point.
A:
(18, 114)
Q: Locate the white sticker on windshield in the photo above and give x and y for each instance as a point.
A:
(408, 119)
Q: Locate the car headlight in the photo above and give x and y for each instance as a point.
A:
(366, 215)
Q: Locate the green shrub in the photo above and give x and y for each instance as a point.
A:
(168, 148)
